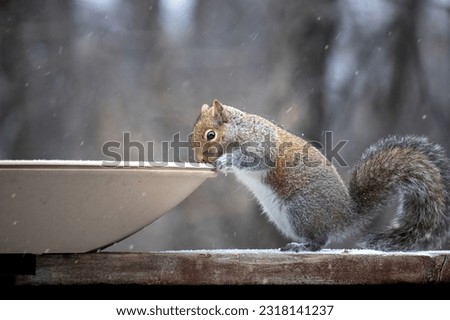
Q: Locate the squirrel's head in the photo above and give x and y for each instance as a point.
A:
(209, 131)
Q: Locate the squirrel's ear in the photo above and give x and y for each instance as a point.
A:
(219, 111)
(205, 108)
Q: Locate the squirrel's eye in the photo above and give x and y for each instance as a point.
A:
(210, 134)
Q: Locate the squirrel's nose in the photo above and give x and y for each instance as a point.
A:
(198, 156)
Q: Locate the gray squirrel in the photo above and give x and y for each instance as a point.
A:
(303, 195)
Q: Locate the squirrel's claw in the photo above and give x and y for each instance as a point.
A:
(223, 163)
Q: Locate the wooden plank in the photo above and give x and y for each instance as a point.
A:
(239, 267)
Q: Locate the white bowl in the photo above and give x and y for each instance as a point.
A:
(80, 206)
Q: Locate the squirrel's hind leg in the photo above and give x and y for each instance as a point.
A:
(300, 247)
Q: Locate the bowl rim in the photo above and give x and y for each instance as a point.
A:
(103, 164)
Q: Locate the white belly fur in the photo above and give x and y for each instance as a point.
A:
(267, 198)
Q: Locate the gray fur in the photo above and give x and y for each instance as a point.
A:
(422, 219)
(309, 203)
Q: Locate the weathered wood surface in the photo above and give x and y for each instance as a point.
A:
(239, 267)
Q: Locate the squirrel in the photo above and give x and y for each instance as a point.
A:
(303, 195)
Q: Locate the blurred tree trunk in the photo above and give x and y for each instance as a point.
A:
(43, 59)
(301, 38)
(379, 79)
(13, 66)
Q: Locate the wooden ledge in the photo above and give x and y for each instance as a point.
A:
(240, 267)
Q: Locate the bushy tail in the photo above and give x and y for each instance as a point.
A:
(419, 171)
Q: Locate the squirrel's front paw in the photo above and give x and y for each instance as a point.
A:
(224, 163)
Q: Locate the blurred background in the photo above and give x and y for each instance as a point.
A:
(76, 74)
